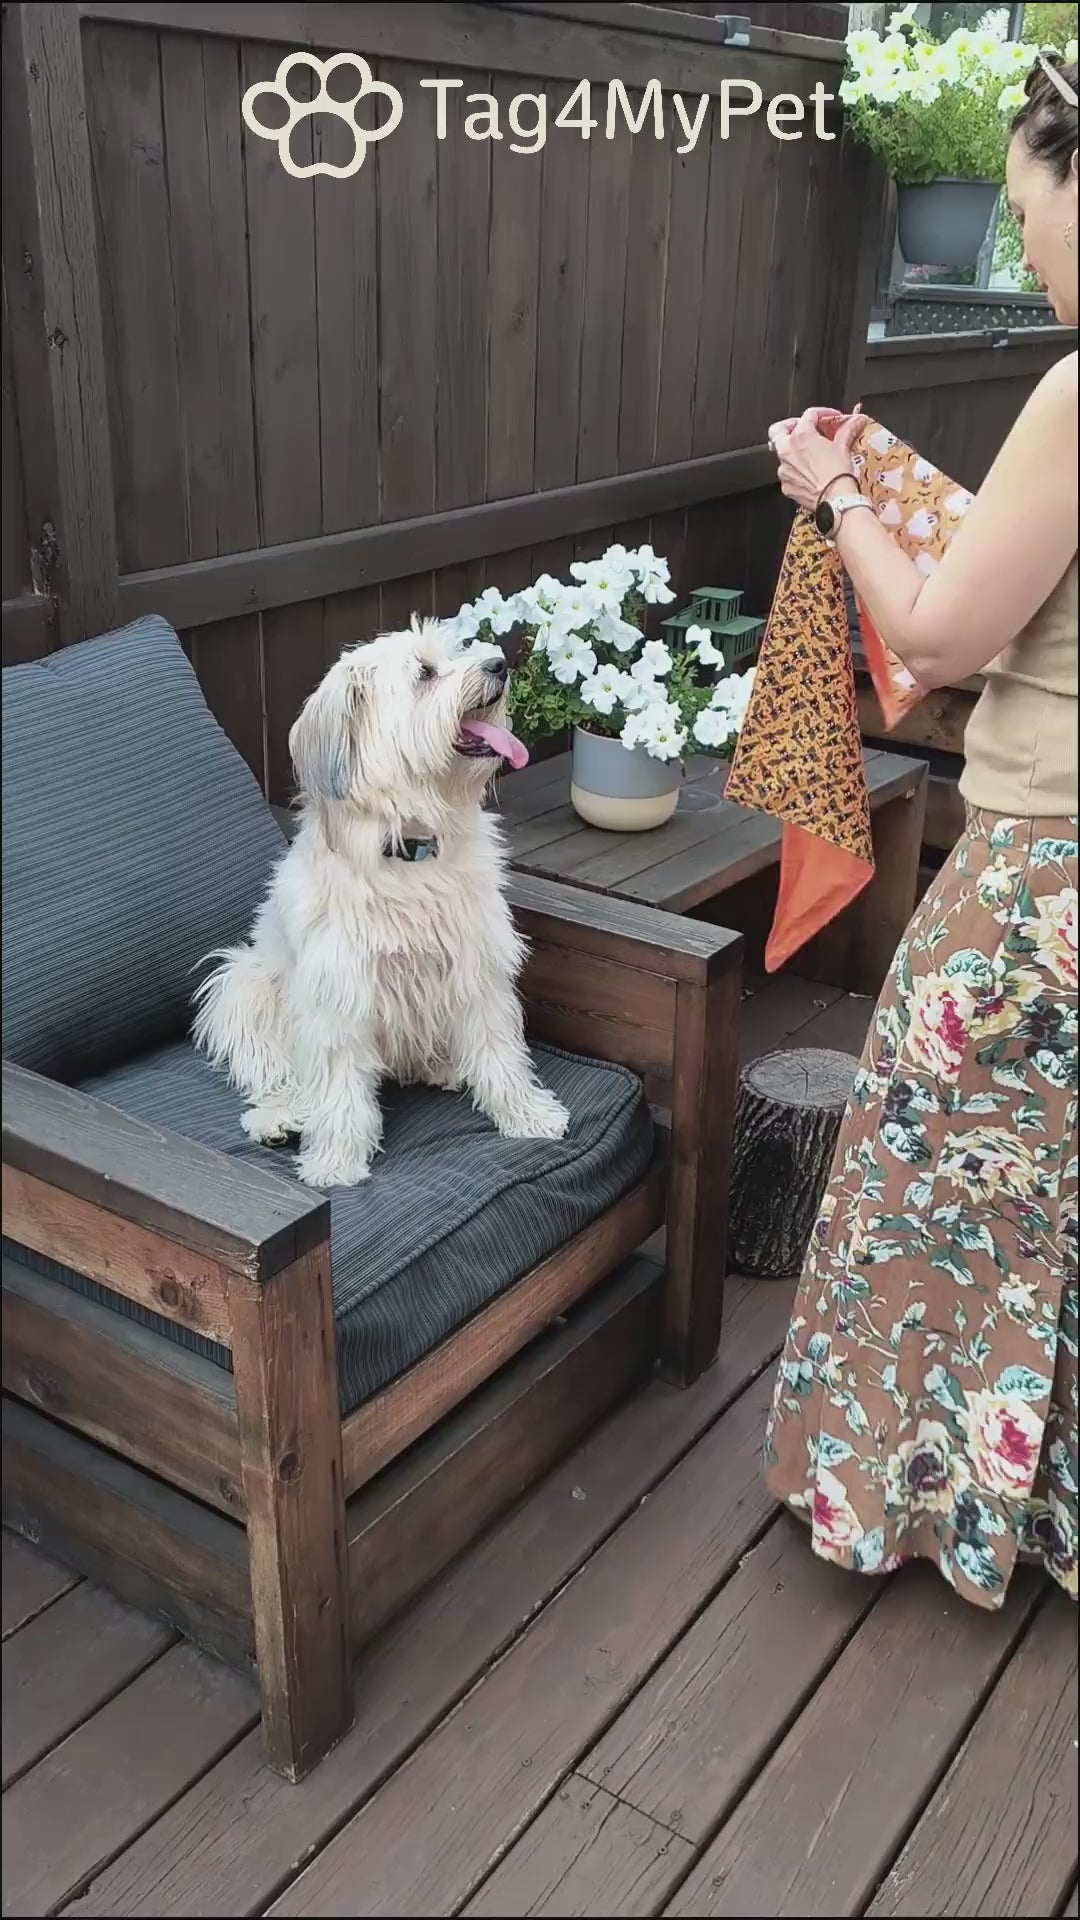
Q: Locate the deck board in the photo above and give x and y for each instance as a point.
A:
(979, 1848)
(31, 1582)
(65, 1664)
(638, 1693)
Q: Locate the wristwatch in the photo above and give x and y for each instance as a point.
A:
(828, 513)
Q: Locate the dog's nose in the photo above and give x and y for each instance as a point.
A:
(496, 668)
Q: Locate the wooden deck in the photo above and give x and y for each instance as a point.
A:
(638, 1694)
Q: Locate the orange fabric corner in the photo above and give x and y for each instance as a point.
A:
(817, 881)
(799, 755)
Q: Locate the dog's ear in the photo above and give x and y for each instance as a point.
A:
(324, 739)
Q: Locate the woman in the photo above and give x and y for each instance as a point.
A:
(926, 1405)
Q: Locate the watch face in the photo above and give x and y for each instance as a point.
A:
(824, 518)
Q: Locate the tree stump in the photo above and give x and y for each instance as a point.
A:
(787, 1119)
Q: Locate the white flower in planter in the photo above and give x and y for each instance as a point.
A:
(613, 631)
(642, 690)
(653, 575)
(577, 608)
(572, 659)
(714, 727)
(659, 729)
(608, 581)
(703, 644)
(501, 614)
(655, 659)
(604, 689)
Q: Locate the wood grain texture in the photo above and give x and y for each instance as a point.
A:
(101, 1160)
(153, 1547)
(703, 1098)
(514, 295)
(285, 1369)
(140, 303)
(233, 1839)
(50, 1686)
(31, 1582)
(787, 1122)
(689, 1743)
(981, 1847)
(113, 1775)
(825, 1816)
(97, 1370)
(408, 1523)
(586, 1854)
(54, 299)
(494, 1762)
(176, 1281)
(393, 1418)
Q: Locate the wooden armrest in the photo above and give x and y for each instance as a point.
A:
(622, 930)
(246, 1219)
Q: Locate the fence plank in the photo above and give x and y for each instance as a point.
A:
(464, 220)
(52, 287)
(563, 223)
(644, 299)
(408, 291)
(200, 86)
(605, 282)
(513, 302)
(728, 166)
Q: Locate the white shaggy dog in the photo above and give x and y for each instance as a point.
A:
(385, 947)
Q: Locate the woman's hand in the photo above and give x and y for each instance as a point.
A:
(812, 451)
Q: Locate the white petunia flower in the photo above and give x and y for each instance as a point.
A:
(643, 690)
(652, 575)
(713, 728)
(613, 631)
(607, 582)
(603, 690)
(577, 608)
(656, 658)
(659, 729)
(571, 659)
(1012, 97)
(703, 644)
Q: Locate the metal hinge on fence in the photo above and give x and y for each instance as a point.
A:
(998, 336)
(735, 28)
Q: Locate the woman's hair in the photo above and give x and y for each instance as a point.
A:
(1047, 118)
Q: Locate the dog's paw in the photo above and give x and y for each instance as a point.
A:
(322, 1170)
(269, 1125)
(537, 1116)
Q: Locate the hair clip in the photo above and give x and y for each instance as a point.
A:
(1057, 79)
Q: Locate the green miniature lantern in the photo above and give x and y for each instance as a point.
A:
(736, 635)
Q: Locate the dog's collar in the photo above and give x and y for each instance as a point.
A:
(411, 848)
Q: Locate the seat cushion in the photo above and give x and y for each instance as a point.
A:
(451, 1215)
(135, 840)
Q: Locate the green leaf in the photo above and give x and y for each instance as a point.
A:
(948, 1261)
(1023, 1382)
(832, 1451)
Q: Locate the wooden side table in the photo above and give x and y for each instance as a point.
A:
(711, 846)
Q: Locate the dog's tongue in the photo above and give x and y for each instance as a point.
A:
(499, 739)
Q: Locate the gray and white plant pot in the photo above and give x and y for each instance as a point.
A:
(944, 223)
(621, 789)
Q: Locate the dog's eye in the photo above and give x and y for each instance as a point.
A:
(426, 672)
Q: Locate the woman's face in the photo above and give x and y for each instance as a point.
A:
(1046, 210)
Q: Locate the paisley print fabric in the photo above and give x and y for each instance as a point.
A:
(799, 755)
(926, 1402)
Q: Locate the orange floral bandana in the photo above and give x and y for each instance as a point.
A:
(799, 755)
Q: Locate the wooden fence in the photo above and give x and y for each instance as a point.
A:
(285, 412)
(955, 396)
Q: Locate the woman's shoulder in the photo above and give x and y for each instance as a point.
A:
(1058, 383)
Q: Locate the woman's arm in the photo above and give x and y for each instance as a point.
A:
(1004, 562)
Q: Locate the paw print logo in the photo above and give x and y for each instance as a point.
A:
(322, 103)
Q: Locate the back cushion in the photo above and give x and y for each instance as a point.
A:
(135, 841)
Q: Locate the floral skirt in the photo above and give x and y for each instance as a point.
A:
(925, 1406)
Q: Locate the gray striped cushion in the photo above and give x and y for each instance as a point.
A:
(135, 839)
(451, 1216)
